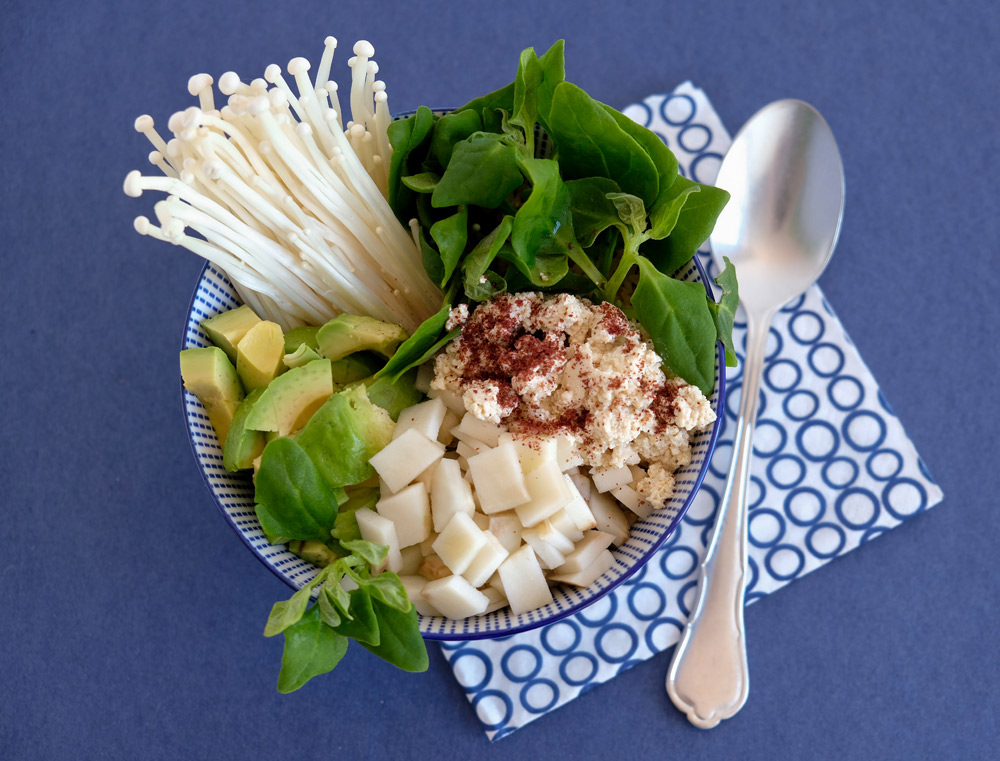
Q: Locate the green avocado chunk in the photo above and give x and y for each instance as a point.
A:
(303, 355)
(259, 355)
(208, 374)
(243, 444)
(356, 367)
(228, 328)
(288, 401)
(296, 337)
(394, 397)
(314, 552)
(348, 333)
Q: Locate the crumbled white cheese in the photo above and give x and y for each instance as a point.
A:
(658, 485)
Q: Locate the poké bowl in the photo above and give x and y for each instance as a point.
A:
(234, 492)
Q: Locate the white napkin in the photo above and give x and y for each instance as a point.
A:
(832, 469)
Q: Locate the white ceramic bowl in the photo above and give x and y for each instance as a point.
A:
(234, 493)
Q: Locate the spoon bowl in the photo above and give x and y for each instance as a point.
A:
(779, 229)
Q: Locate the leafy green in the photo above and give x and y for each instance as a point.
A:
(694, 224)
(406, 136)
(401, 643)
(288, 612)
(311, 648)
(724, 312)
(482, 172)
(452, 129)
(411, 352)
(480, 283)
(425, 182)
(360, 623)
(370, 552)
(450, 235)
(678, 319)
(293, 499)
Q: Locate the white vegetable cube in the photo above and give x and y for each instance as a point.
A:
(459, 543)
(532, 451)
(565, 525)
(586, 552)
(548, 491)
(498, 478)
(486, 562)
(380, 530)
(548, 556)
(412, 558)
(566, 452)
(632, 500)
(496, 598)
(450, 494)
(470, 448)
(523, 581)
(405, 458)
(410, 512)
(425, 417)
(414, 586)
(606, 479)
(637, 474)
(609, 517)
(445, 436)
(577, 508)
(455, 597)
(481, 520)
(425, 374)
(590, 574)
(427, 477)
(550, 534)
(582, 483)
(481, 430)
(451, 400)
(506, 527)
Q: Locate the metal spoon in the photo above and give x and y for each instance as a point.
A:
(779, 229)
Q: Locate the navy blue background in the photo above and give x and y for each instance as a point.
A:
(131, 616)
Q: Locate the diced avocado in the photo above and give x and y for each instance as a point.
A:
(259, 355)
(228, 328)
(301, 356)
(315, 552)
(355, 367)
(291, 399)
(394, 397)
(208, 374)
(243, 444)
(348, 333)
(296, 337)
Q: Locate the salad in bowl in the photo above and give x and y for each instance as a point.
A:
(451, 375)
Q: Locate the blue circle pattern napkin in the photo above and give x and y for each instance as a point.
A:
(832, 469)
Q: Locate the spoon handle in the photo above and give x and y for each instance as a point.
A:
(708, 679)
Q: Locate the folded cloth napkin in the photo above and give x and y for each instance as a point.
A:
(832, 469)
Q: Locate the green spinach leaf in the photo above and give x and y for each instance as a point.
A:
(425, 182)
(289, 612)
(724, 311)
(678, 319)
(451, 235)
(361, 624)
(411, 352)
(482, 172)
(293, 499)
(405, 137)
(477, 263)
(387, 588)
(593, 211)
(311, 648)
(452, 129)
(400, 641)
(694, 224)
(394, 395)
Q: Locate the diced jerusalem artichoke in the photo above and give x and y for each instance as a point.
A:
(548, 556)
(455, 597)
(486, 562)
(425, 417)
(582, 483)
(499, 481)
(632, 500)
(410, 512)
(532, 451)
(609, 517)
(414, 586)
(450, 494)
(548, 491)
(506, 527)
(412, 558)
(567, 454)
(405, 458)
(496, 598)
(523, 581)
(481, 430)
(606, 479)
(564, 523)
(433, 568)
(590, 574)
(451, 400)
(459, 543)
(585, 552)
(445, 436)
(380, 530)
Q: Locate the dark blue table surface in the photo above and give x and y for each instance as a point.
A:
(132, 615)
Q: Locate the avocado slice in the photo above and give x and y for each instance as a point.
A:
(303, 355)
(208, 374)
(228, 328)
(355, 367)
(243, 444)
(259, 354)
(315, 552)
(291, 399)
(296, 337)
(349, 333)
